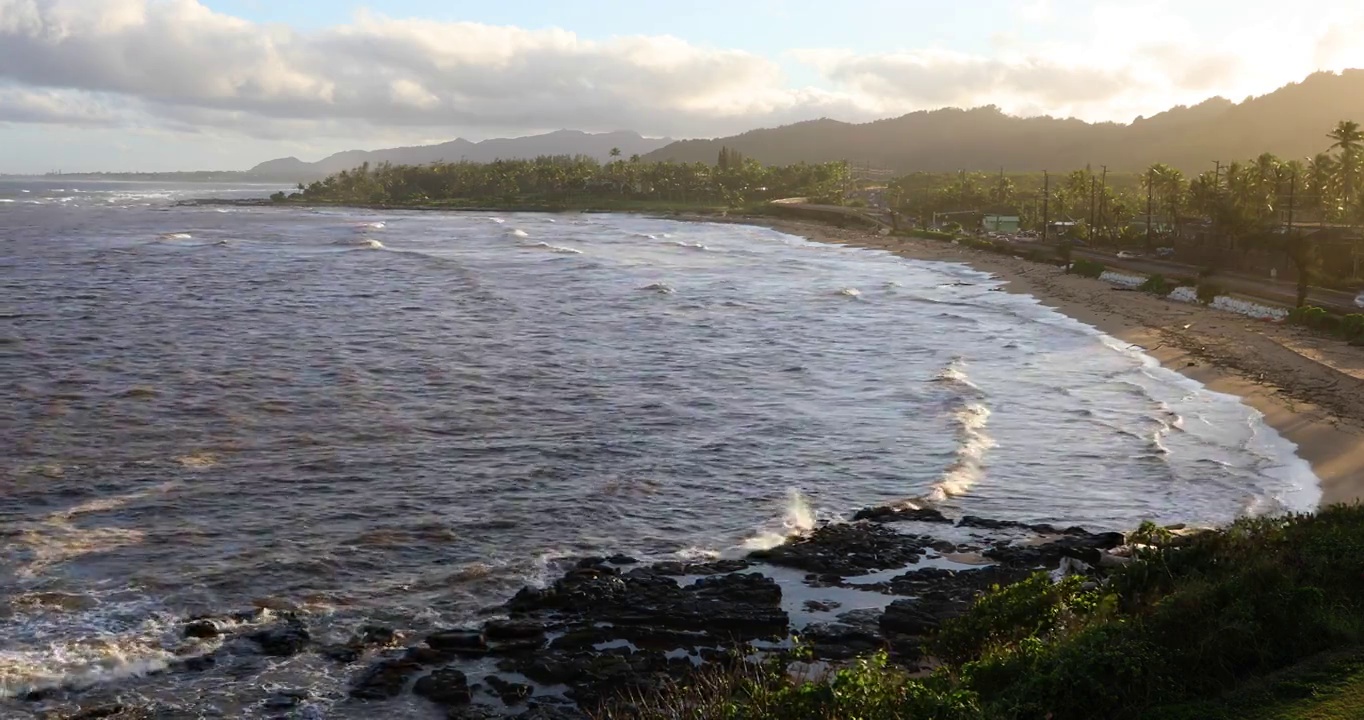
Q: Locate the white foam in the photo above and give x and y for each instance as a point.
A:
(175, 236)
(850, 292)
(7, 200)
(373, 245)
(689, 246)
(559, 249)
(955, 374)
(499, 221)
(797, 519)
(366, 227)
(973, 443)
(518, 232)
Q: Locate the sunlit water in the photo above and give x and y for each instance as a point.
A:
(406, 416)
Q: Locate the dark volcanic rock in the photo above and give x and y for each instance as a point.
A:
(202, 628)
(886, 513)
(905, 617)
(747, 606)
(285, 699)
(457, 640)
(841, 641)
(847, 549)
(283, 639)
(384, 679)
(513, 629)
(622, 560)
(716, 567)
(444, 687)
(368, 636)
(510, 692)
(1086, 547)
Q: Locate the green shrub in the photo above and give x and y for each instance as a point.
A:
(1190, 617)
(1157, 284)
(1308, 316)
(1352, 326)
(1209, 291)
(1087, 268)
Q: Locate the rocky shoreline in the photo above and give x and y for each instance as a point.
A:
(611, 627)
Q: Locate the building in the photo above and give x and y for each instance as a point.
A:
(1000, 223)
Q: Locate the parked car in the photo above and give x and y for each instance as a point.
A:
(1127, 255)
(1165, 252)
(1359, 299)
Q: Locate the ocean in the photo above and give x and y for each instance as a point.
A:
(404, 417)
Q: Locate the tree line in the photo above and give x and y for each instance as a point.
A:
(1244, 195)
(575, 180)
(1236, 207)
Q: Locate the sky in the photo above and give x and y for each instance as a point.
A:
(154, 85)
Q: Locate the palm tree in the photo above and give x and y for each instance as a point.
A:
(1349, 139)
(615, 152)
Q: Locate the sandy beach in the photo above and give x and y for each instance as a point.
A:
(1310, 388)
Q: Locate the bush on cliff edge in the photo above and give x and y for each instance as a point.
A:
(1188, 618)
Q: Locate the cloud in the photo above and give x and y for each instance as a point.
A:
(382, 71)
(177, 65)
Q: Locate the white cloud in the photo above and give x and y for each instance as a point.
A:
(176, 65)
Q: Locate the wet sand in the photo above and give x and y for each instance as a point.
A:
(1310, 388)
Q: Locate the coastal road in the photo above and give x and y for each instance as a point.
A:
(1279, 291)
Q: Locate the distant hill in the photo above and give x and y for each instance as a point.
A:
(561, 142)
(1290, 122)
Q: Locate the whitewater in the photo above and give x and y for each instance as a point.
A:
(404, 417)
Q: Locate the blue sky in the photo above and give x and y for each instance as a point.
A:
(181, 84)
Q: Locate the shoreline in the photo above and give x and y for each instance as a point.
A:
(1316, 403)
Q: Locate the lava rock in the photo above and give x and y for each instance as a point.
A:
(510, 692)
(621, 560)
(285, 699)
(846, 549)
(513, 629)
(384, 679)
(203, 628)
(886, 513)
(716, 567)
(340, 653)
(904, 617)
(458, 640)
(446, 686)
(282, 640)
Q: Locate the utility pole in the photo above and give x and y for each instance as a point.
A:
(1217, 196)
(1150, 200)
(1046, 205)
(1093, 187)
(1103, 200)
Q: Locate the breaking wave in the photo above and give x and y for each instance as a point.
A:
(558, 248)
(660, 287)
(518, 232)
(850, 292)
(973, 442)
(797, 519)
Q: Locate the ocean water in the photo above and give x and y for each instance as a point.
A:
(405, 416)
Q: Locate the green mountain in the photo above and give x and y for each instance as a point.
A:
(1290, 122)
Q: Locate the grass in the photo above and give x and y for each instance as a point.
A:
(1327, 687)
(1262, 619)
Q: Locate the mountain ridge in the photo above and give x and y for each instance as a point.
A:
(1290, 122)
(559, 142)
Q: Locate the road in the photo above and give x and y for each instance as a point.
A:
(1279, 291)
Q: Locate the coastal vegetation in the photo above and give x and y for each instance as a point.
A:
(1295, 216)
(1261, 619)
(566, 182)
